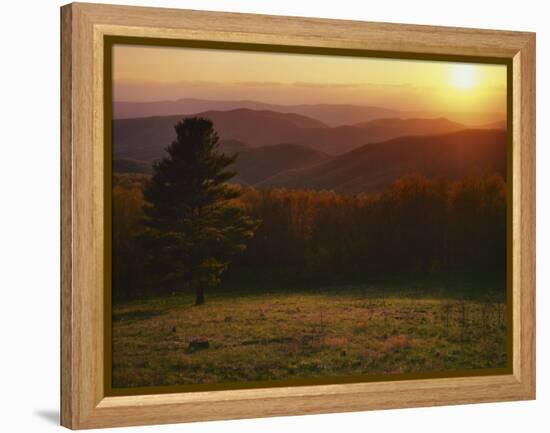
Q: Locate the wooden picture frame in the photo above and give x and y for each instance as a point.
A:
(83, 31)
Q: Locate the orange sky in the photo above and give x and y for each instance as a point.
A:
(142, 73)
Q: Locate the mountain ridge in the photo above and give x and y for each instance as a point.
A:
(332, 114)
(373, 166)
(146, 138)
(329, 113)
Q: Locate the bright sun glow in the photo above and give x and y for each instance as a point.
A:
(463, 76)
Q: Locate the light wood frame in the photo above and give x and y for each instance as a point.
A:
(83, 401)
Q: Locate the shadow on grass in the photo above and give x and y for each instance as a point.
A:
(241, 283)
(135, 315)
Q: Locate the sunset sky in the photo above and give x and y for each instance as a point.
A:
(142, 73)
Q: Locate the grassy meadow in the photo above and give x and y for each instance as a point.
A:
(320, 331)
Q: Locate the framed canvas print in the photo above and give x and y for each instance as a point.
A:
(270, 216)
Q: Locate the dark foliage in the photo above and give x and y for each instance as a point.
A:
(419, 225)
(192, 222)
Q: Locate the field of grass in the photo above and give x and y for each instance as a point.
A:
(368, 329)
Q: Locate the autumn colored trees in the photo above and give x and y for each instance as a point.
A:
(417, 226)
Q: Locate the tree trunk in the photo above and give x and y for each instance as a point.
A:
(199, 300)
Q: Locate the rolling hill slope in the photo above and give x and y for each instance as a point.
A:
(254, 165)
(375, 166)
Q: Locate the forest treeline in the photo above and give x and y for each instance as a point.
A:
(418, 226)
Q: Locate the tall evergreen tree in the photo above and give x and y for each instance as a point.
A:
(193, 224)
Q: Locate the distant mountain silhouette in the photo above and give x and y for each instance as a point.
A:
(330, 114)
(472, 119)
(146, 138)
(375, 166)
(412, 126)
(254, 165)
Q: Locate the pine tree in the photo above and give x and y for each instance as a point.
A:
(193, 223)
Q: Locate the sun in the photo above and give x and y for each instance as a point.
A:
(463, 77)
